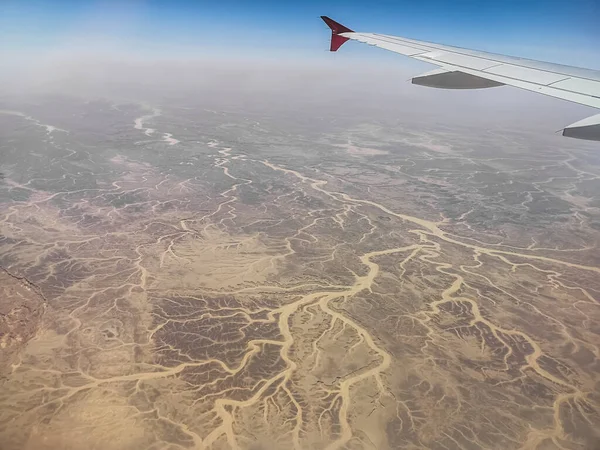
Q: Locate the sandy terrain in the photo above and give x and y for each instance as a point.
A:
(249, 293)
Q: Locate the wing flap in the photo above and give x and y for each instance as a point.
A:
(579, 85)
(526, 74)
(438, 56)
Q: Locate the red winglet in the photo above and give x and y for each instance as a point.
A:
(336, 29)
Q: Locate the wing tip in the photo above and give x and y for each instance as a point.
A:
(336, 29)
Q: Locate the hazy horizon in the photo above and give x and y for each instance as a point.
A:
(163, 49)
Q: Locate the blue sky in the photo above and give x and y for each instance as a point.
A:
(560, 31)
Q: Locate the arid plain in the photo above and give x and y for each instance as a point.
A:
(179, 276)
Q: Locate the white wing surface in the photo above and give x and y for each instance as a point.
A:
(471, 69)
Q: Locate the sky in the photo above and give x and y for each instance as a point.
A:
(551, 30)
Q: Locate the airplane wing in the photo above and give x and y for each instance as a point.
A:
(471, 69)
